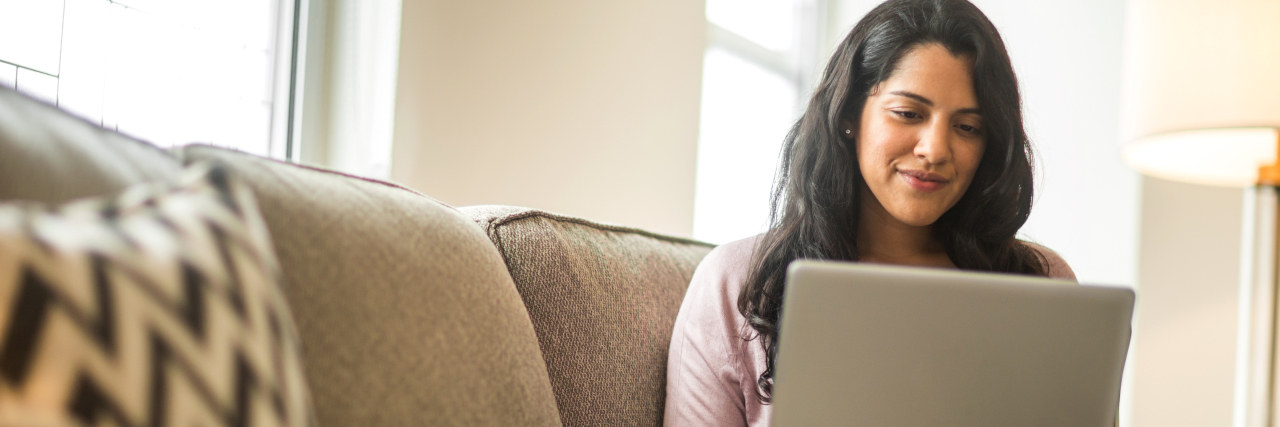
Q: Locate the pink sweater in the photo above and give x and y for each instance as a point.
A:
(712, 367)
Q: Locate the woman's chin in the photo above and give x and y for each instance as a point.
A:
(917, 219)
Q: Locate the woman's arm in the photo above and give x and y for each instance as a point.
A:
(705, 374)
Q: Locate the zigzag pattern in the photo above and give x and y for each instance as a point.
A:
(155, 309)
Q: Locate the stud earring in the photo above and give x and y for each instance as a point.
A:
(848, 131)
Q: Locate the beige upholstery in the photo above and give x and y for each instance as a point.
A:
(49, 156)
(603, 300)
(406, 312)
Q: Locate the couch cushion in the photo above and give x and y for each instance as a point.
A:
(406, 312)
(603, 300)
(50, 156)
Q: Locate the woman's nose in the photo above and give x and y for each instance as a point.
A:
(935, 143)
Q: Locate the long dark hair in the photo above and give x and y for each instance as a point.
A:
(816, 199)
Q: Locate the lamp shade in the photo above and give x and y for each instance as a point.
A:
(1202, 89)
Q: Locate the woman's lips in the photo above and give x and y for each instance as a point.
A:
(923, 181)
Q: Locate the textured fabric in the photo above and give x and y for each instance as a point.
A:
(715, 361)
(405, 309)
(713, 365)
(49, 156)
(602, 299)
(160, 307)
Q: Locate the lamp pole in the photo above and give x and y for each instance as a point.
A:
(1255, 397)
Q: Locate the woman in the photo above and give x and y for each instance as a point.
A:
(911, 152)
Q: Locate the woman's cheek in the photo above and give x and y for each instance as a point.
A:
(973, 158)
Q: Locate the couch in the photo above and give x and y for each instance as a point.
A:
(411, 311)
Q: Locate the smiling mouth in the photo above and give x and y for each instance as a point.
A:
(923, 181)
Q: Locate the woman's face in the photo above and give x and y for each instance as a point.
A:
(920, 137)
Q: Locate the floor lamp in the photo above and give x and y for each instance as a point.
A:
(1202, 105)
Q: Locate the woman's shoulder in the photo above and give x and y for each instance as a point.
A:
(724, 270)
(733, 254)
(711, 300)
(1056, 266)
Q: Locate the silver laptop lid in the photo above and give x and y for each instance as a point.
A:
(874, 345)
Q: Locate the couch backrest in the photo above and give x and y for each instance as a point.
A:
(406, 311)
(49, 156)
(603, 300)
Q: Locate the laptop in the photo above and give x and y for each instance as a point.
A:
(874, 345)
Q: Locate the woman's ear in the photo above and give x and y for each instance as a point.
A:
(847, 129)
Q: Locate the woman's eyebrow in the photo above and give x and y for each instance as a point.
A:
(916, 97)
(928, 102)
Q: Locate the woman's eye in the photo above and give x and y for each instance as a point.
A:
(969, 129)
(911, 115)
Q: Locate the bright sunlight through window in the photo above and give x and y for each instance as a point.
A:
(167, 72)
(746, 112)
(748, 105)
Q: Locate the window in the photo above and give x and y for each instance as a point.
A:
(168, 72)
(759, 67)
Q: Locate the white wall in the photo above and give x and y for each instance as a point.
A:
(1185, 343)
(581, 107)
(1068, 58)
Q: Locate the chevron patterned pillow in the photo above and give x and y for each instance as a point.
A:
(159, 307)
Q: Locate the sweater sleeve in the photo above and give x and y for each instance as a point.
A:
(705, 364)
